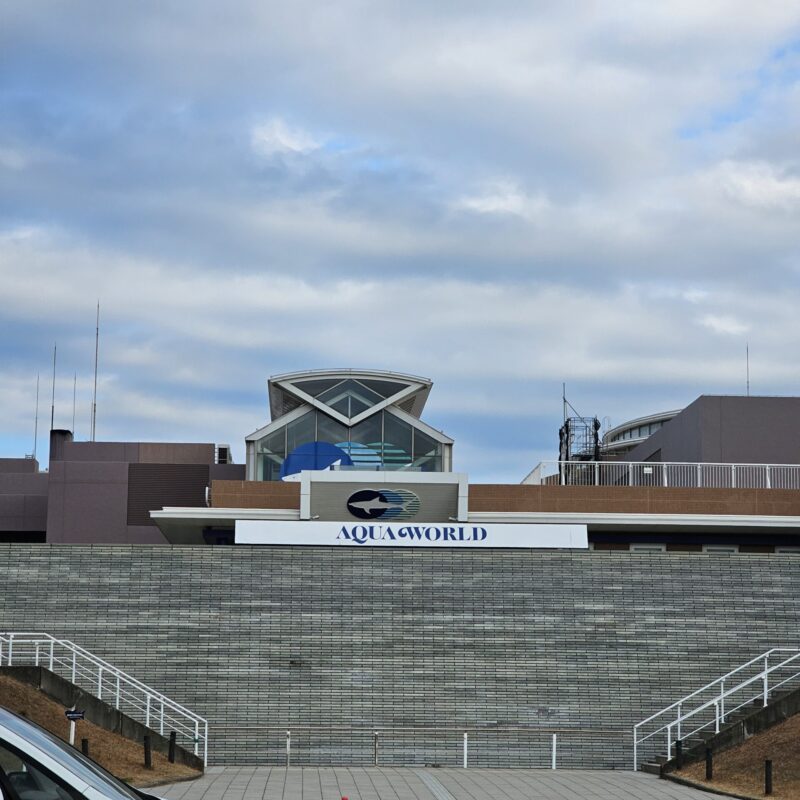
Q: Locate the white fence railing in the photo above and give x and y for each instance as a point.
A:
(675, 474)
(106, 682)
(533, 747)
(706, 709)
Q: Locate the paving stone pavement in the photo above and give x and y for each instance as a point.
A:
(407, 783)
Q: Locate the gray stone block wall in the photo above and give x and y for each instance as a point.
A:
(334, 643)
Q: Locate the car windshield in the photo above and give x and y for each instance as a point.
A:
(68, 757)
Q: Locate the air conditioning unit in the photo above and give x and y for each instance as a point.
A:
(224, 455)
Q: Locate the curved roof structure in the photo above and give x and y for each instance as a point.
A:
(348, 395)
(626, 436)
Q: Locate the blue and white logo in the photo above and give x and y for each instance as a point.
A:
(386, 504)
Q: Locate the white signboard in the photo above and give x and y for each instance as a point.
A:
(404, 534)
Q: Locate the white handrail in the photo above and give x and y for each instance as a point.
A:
(714, 695)
(106, 682)
(676, 474)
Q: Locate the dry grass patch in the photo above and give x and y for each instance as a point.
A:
(118, 755)
(741, 769)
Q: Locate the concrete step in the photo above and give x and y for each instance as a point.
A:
(651, 767)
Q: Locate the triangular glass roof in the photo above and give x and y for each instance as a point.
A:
(349, 395)
(350, 398)
(316, 387)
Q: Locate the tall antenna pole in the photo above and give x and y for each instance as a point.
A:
(74, 390)
(96, 352)
(747, 360)
(36, 419)
(564, 399)
(53, 403)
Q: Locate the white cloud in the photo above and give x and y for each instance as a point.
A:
(275, 136)
(727, 325)
(760, 184)
(504, 197)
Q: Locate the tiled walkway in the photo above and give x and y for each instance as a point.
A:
(378, 783)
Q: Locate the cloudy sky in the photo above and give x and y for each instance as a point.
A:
(500, 196)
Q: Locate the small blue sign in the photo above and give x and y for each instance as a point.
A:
(74, 716)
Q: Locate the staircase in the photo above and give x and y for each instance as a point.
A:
(104, 681)
(714, 708)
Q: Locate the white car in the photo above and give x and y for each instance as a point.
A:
(35, 765)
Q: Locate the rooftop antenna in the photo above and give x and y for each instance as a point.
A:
(36, 419)
(564, 399)
(96, 351)
(74, 389)
(747, 361)
(53, 403)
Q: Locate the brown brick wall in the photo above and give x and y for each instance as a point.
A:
(255, 494)
(633, 500)
(517, 497)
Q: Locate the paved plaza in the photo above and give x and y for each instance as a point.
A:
(379, 783)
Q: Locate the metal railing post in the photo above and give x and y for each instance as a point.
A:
(699, 476)
(36, 662)
(147, 712)
(766, 678)
(630, 474)
(205, 745)
(74, 665)
(375, 747)
(466, 748)
(768, 476)
(722, 700)
(288, 748)
(196, 736)
(678, 721)
(596, 473)
(51, 655)
(100, 683)
(161, 728)
(669, 740)
(733, 476)
(664, 470)
(116, 702)
(553, 751)
(10, 649)
(635, 751)
(716, 716)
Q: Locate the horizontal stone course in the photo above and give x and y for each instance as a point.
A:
(335, 643)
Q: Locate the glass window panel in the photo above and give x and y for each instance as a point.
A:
(383, 388)
(350, 398)
(424, 445)
(397, 441)
(271, 450)
(274, 443)
(428, 464)
(368, 430)
(269, 467)
(318, 386)
(330, 430)
(301, 430)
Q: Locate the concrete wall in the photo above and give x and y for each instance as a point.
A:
(96, 496)
(409, 640)
(23, 496)
(728, 430)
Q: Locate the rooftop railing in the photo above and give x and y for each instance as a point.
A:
(682, 475)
